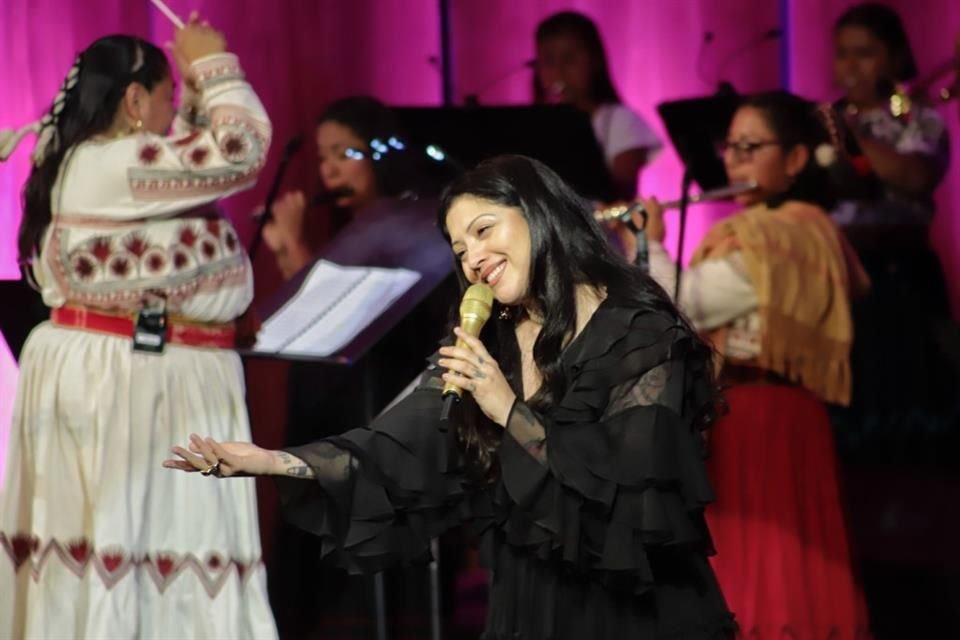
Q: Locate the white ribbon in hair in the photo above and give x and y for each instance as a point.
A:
(45, 127)
(10, 138)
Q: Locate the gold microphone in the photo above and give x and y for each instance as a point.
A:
(475, 310)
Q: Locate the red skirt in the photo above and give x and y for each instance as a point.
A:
(783, 558)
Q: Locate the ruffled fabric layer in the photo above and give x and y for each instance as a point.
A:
(607, 531)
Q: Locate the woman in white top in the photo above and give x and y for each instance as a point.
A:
(95, 540)
(572, 68)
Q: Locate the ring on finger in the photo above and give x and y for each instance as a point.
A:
(212, 470)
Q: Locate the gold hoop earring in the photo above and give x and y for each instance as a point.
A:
(137, 126)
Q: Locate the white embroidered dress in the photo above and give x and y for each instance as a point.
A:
(97, 540)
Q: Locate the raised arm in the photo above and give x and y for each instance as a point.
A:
(219, 146)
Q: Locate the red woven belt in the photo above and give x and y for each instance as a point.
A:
(213, 336)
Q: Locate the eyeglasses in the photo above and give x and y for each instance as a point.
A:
(377, 151)
(742, 150)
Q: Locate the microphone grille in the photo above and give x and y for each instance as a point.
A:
(478, 301)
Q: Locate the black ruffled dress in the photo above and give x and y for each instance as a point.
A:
(594, 528)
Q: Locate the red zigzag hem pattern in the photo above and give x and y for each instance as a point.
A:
(114, 563)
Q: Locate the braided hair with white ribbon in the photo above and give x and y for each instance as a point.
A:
(46, 127)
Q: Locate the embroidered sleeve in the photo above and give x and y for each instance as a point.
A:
(210, 161)
(712, 293)
(926, 134)
(143, 176)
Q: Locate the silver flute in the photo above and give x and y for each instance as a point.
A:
(625, 210)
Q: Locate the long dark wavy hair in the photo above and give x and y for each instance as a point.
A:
(106, 70)
(582, 28)
(568, 248)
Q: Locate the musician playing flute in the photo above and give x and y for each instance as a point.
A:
(770, 286)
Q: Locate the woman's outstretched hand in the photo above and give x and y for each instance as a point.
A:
(222, 459)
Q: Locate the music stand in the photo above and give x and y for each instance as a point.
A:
(349, 388)
(558, 135)
(695, 126)
(23, 309)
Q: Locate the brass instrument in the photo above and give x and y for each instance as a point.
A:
(622, 212)
(905, 96)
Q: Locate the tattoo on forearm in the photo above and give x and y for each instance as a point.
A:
(299, 471)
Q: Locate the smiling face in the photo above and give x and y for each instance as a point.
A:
(492, 243)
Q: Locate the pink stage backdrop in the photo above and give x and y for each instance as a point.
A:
(300, 54)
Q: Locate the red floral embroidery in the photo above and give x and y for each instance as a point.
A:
(188, 236)
(115, 563)
(234, 148)
(213, 226)
(231, 241)
(101, 249)
(120, 267)
(80, 550)
(180, 260)
(22, 547)
(165, 565)
(199, 156)
(112, 561)
(83, 267)
(135, 244)
(149, 154)
(209, 249)
(155, 262)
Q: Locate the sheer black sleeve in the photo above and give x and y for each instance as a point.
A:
(380, 493)
(614, 472)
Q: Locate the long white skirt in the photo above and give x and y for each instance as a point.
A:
(97, 540)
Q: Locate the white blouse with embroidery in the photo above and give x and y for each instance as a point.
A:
(713, 293)
(135, 214)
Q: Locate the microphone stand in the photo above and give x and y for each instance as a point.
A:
(289, 150)
(684, 205)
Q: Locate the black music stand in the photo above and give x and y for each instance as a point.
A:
(348, 388)
(695, 126)
(22, 310)
(558, 135)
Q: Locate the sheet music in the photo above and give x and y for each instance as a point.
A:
(332, 307)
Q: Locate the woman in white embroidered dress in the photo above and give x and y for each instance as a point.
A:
(96, 541)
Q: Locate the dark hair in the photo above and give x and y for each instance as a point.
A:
(106, 69)
(794, 121)
(885, 24)
(568, 248)
(579, 26)
(370, 120)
